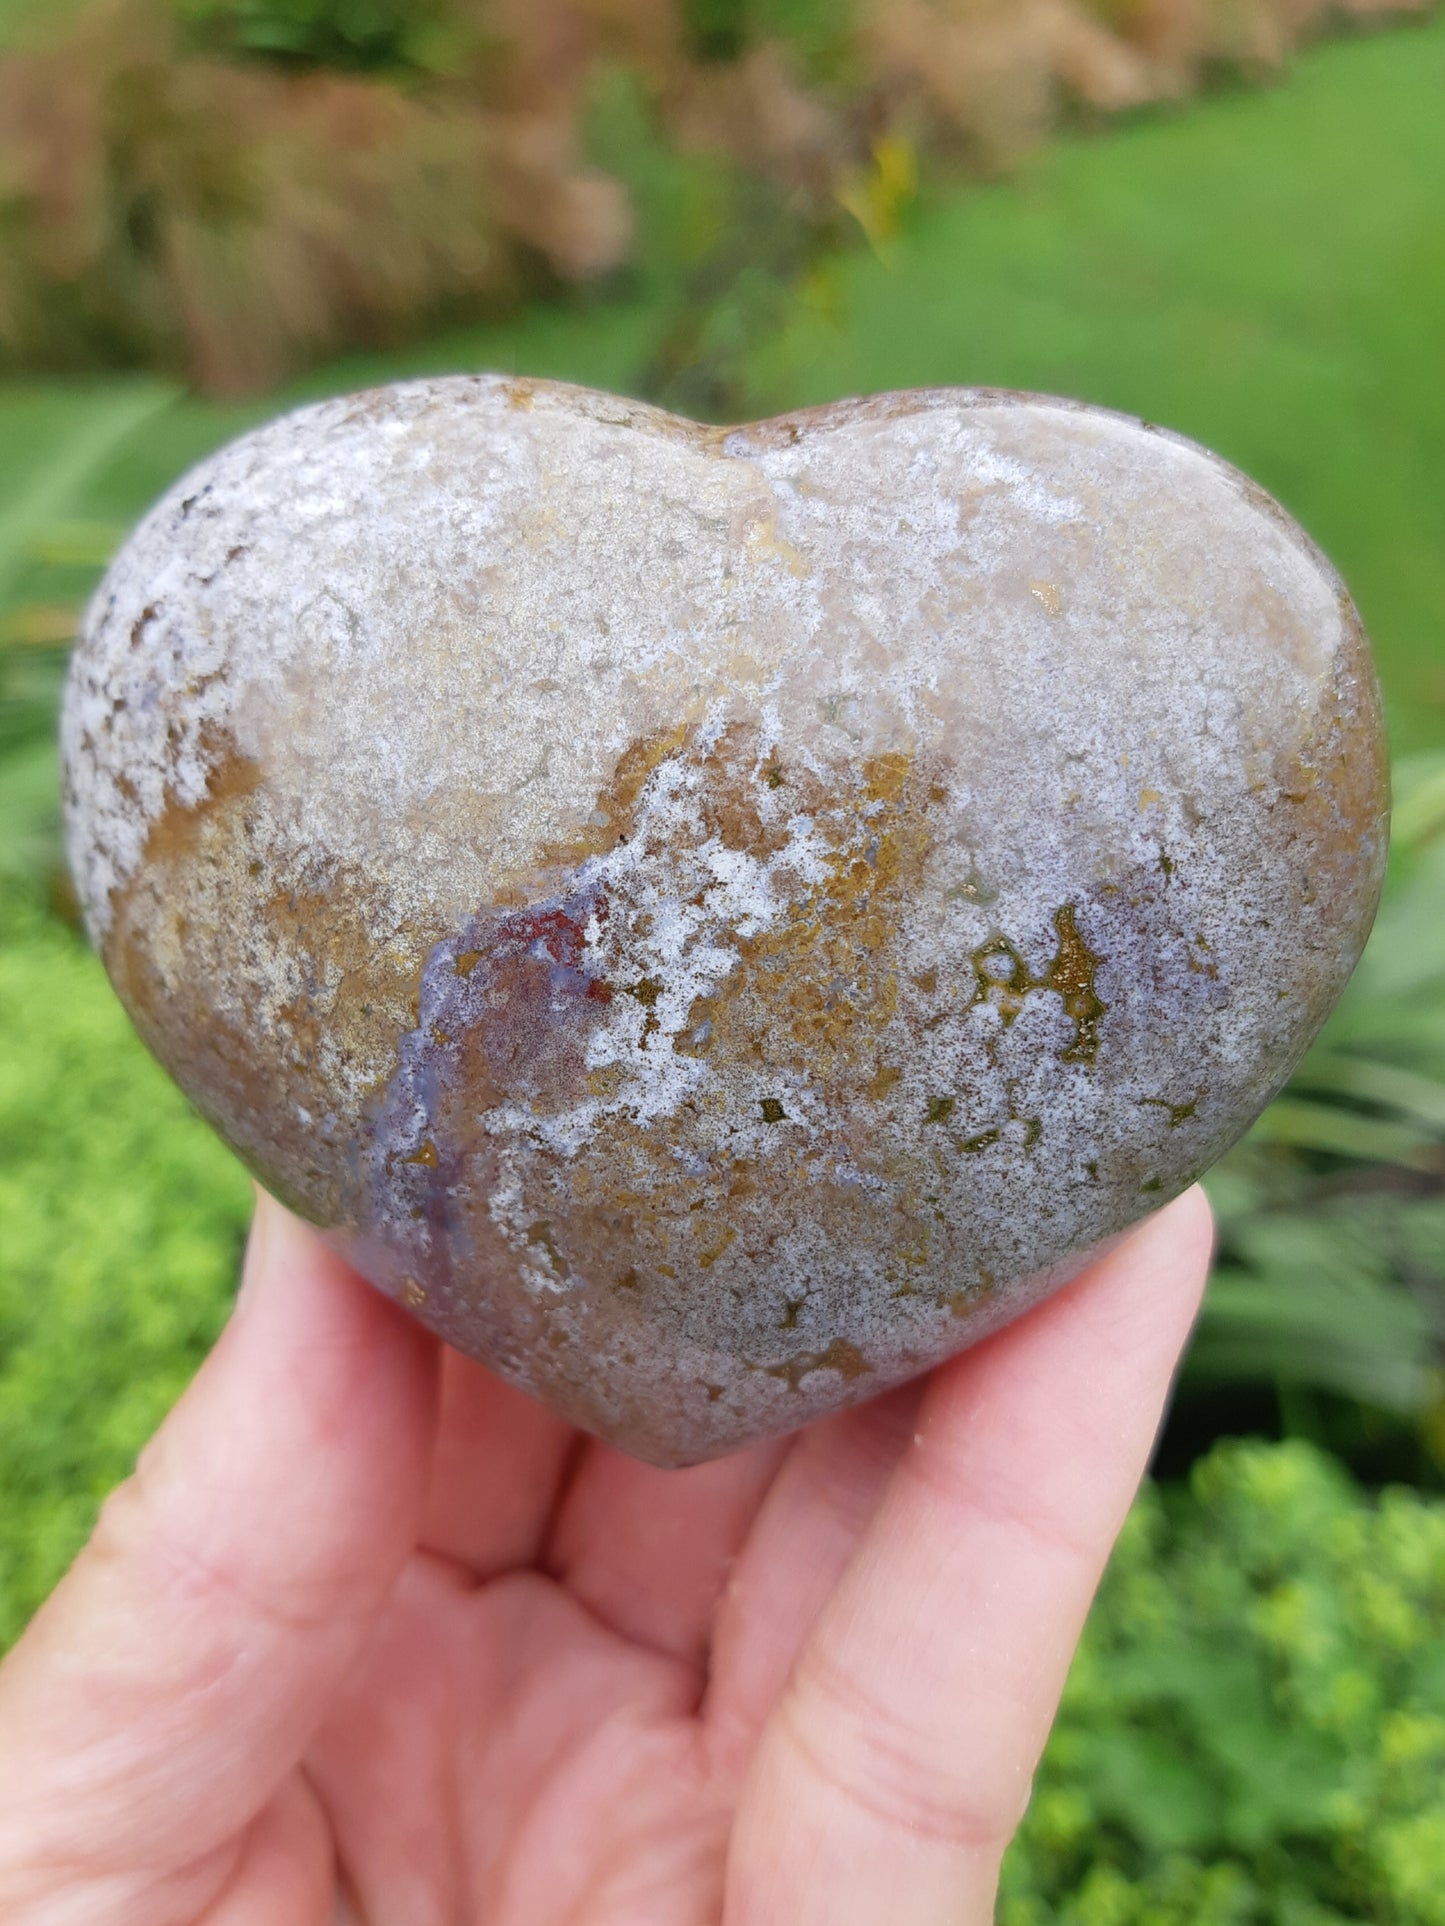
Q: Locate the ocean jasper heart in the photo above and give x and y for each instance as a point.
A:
(715, 920)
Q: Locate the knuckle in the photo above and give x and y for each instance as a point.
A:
(892, 1769)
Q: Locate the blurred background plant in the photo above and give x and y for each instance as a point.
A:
(1253, 1732)
(211, 209)
(1329, 1286)
(225, 188)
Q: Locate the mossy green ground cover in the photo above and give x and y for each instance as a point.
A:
(121, 1220)
(1253, 1733)
(1265, 272)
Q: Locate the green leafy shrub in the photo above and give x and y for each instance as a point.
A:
(1331, 1269)
(1253, 1733)
(346, 34)
(121, 1221)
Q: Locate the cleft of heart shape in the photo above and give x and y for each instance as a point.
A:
(715, 920)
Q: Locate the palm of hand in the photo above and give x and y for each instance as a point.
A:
(558, 1714)
(371, 1637)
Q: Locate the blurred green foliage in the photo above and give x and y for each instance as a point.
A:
(53, 444)
(424, 35)
(361, 35)
(241, 187)
(122, 1222)
(819, 32)
(1253, 1733)
(1330, 1279)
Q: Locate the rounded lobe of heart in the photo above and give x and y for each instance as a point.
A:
(716, 920)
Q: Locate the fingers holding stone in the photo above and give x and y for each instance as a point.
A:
(159, 1699)
(651, 1551)
(285, 1870)
(500, 1463)
(899, 1759)
(805, 1533)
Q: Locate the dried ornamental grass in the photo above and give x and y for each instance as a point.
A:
(174, 198)
(229, 219)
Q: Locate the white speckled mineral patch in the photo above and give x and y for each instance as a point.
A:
(716, 920)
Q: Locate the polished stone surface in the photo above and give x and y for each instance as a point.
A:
(717, 919)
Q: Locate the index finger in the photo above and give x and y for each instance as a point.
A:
(898, 1762)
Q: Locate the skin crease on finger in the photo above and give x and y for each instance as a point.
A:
(371, 1638)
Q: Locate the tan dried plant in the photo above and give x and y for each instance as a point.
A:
(994, 75)
(231, 219)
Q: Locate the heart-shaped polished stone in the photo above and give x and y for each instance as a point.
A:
(716, 920)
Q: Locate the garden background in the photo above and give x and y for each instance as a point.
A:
(1227, 216)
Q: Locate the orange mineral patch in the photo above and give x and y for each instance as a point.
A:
(277, 1001)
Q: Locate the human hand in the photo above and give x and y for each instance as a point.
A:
(371, 1637)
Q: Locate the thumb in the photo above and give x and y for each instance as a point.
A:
(172, 1681)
